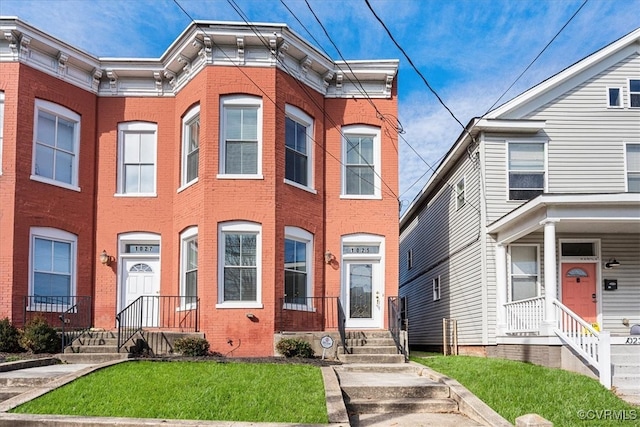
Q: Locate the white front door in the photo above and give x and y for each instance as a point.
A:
(363, 296)
(141, 277)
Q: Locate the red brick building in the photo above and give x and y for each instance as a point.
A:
(239, 185)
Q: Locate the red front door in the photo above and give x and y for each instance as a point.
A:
(579, 289)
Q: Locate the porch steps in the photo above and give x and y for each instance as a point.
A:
(396, 391)
(625, 359)
(93, 347)
(369, 347)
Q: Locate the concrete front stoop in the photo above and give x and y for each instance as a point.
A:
(369, 347)
(625, 361)
(93, 347)
(404, 395)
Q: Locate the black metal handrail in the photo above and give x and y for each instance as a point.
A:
(308, 314)
(173, 312)
(397, 318)
(70, 314)
(342, 321)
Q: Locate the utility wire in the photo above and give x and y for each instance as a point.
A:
(536, 58)
(311, 98)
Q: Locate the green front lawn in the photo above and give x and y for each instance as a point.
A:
(258, 392)
(515, 388)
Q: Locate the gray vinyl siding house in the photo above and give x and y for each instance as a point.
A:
(543, 256)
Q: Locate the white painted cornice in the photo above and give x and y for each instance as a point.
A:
(201, 44)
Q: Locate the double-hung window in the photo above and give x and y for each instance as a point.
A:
(298, 250)
(633, 168)
(241, 137)
(298, 147)
(52, 266)
(240, 249)
(189, 267)
(190, 146)
(56, 145)
(524, 268)
(361, 162)
(634, 93)
(526, 163)
(137, 159)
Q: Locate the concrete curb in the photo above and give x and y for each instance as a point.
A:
(28, 363)
(468, 403)
(336, 408)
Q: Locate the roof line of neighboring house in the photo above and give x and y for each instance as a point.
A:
(495, 120)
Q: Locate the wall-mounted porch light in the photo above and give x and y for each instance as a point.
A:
(105, 258)
(612, 263)
(328, 257)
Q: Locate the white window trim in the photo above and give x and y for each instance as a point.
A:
(626, 164)
(299, 116)
(1, 126)
(239, 101)
(630, 93)
(300, 235)
(185, 237)
(141, 238)
(436, 285)
(57, 235)
(545, 145)
(459, 204)
(510, 273)
(135, 126)
(67, 114)
(186, 120)
(239, 227)
(377, 160)
(608, 100)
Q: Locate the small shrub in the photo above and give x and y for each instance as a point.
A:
(294, 347)
(9, 337)
(40, 337)
(191, 346)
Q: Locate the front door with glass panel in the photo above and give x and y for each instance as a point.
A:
(363, 295)
(141, 277)
(579, 289)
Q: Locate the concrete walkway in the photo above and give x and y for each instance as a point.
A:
(40, 380)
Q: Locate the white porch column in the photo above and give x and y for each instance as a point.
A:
(501, 289)
(550, 273)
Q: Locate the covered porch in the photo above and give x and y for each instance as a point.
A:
(568, 272)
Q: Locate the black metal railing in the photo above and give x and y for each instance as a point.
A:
(308, 314)
(342, 321)
(69, 314)
(397, 316)
(176, 312)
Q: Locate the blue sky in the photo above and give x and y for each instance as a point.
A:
(470, 51)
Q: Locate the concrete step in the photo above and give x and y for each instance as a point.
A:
(9, 392)
(371, 358)
(430, 391)
(357, 342)
(91, 358)
(369, 349)
(367, 334)
(622, 349)
(100, 334)
(23, 381)
(629, 391)
(626, 381)
(624, 369)
(90, 349)
(95, 341)
(406, 405)
(384, 368)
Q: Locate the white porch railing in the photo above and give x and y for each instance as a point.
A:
(592, 345)
(525, 315)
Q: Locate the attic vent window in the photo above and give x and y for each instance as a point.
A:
(577, 272)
